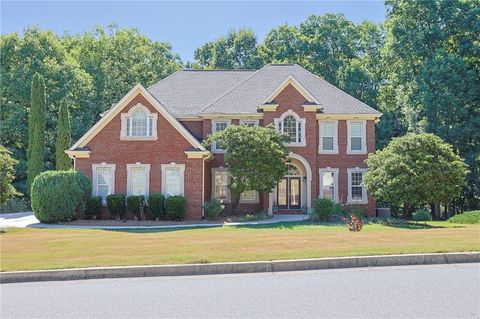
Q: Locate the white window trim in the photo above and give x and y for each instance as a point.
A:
(335, 181)
(245, 121)
(364, 199)
(95, 180)
(364, 137)
(335, 137)
(129, 177)
(221, 169)
(255, 200)
(125, 116)
(302, 121)
(214, 144)
(164, 168)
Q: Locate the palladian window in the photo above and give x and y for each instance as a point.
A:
(293, 126)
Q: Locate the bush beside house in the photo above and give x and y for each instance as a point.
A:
(116, 206)
(93, 208)
(156, 206)
(213, 209)
(57, 195)
(135, 205)
(176, 207)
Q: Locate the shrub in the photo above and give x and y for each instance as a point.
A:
(354, 223)
(15, 205)
(256, 216)
(135, 205)
(213, 209)
(471, 217)
(357, 211)
(93, 207)
(156, 205)
(340, 211)
(176, 207)
(421, 215)
(116, 205)
(56, 195)
(322, 209)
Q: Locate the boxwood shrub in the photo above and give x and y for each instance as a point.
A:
(421, 215)
(93, 208)
(135, 205)
(213, 209)
(176, 207)
(116, 206)
(56, 195)
(156, 206)
(322, 209)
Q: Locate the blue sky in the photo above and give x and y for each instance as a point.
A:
(185, 25)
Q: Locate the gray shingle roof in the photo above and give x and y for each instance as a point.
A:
(192, 92)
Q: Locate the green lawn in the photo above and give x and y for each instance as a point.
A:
(27, 249)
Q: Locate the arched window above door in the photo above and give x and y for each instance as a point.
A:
(293, 126)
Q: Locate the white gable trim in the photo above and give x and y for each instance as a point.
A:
(300, 88)
(137, 89)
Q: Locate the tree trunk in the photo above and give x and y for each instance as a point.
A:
(436, 207)
(407, 211)
(235, 199)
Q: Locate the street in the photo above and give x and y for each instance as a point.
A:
(434, 291)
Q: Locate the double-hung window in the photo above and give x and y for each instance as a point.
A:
(220, 189)
(356, 189)
(218, 126)
(103, 180)
(138, 179)
(356, 143)
(329, 183)
(173, 179)
(328, 137)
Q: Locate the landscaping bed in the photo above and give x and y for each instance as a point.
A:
(29, 249)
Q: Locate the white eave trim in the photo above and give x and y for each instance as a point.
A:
(300, 88)
(137, 89)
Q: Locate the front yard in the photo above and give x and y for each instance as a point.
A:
(29, 249)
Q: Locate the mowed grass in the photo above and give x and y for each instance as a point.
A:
(29, 249)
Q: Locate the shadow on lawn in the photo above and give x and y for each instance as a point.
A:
(285, 225)
(157, 230)
(412, 225)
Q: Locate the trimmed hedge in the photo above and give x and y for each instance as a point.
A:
(471, 217)
(116, 206)
(93, 208)
(421, 215)
(322, 209)
(56, 195)
(176, 207)
(156, 206)
(135, 204)
(213, 209)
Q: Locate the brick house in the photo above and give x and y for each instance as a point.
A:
(150, 141)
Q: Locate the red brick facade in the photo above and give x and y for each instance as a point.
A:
(170, 147)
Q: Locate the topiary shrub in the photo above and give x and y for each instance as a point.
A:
(116, 206)
(322, 209)
(56, 195)
(421, 215)
(213, 209)
(156, 206)
(135, 205)
(471, 217)
(176, 207)
(93, 207)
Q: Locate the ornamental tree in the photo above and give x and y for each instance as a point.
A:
(7, 175)
(415, 169)
(36, 130)
(64, 138)
(255, 156)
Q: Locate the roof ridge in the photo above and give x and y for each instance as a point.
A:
(234, 87)
(220, 70)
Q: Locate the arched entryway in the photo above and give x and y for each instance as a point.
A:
(293, 192)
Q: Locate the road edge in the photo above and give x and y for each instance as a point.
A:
(239, 267)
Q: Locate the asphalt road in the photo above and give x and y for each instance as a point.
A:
(436, 291)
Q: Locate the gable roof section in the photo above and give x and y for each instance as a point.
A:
(137, 89)
(248, 95)
(292, 81)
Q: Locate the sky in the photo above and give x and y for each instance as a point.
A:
(185, 25)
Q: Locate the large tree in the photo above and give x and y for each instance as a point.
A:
(255, 157)
(36, 130)
(7, 175)
(414, 170)
(64, 138)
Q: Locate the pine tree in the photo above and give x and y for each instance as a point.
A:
(36, 130)
(64, 139)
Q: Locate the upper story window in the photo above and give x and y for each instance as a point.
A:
(218, 126)
(356, 143)
(139, 124)
(292, 125)
(328, 137)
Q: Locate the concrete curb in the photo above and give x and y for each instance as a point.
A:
(238, 267)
